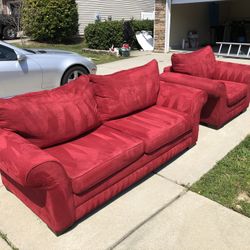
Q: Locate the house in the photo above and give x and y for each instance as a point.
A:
(221, 20)
(89, 11)
(210, 20)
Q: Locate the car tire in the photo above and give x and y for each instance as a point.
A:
(73, 73)
(9, 32)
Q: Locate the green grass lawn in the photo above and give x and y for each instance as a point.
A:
(228, 183)
(75, 47)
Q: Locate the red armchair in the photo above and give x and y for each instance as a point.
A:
(66, 151)
(227, 84)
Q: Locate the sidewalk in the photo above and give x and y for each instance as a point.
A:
(157, 213)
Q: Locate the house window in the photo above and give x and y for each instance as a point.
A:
(147, 15)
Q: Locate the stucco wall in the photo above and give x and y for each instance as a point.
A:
(234, 10)
(240, 9)
(225, 8)
(188, 17)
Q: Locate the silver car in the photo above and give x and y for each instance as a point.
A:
(28, 70)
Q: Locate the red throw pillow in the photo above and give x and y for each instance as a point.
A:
(198, 63)
(53, 116)
(126, 91)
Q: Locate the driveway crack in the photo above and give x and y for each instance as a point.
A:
(147, 219)
(6, 239)
(187, 186)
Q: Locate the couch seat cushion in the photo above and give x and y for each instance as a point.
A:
(96, 156)
(126, 91)
(198, 63)
(235, 92)
(50, 117)
(156, 126)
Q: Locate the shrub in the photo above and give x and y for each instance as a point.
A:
(50, 20)
(102, 35)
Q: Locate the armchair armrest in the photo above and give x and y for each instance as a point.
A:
(213, 88)
(27, 164)
(234, 72)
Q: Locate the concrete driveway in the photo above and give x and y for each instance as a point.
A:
(157, 213)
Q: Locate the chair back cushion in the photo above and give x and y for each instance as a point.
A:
(126, 91)
(51, 117)
(198, 63)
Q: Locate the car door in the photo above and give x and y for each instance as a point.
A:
(18, 75)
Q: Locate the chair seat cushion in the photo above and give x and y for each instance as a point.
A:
(50, 117)
(156, 126)
(235, 92)
(96, 156)
(126, 91)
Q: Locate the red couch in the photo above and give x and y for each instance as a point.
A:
(66, 151)
(227, 84)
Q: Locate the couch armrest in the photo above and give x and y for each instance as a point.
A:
(213, 88)
(27, 164)
(232, 72)
(184, 99)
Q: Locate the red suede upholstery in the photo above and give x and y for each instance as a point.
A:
(212, 88)
(183, 99)
(233, 72)
(227, 87)
(36, 116)
(198, 63)
(96, 156)
(126, 91)
(38, 179)
(132, 174)
(79, 199)
(235, 92)
(19, 158)
(91, 164)
(155, 126)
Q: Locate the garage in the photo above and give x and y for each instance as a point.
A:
(192, 24)
(198, 24)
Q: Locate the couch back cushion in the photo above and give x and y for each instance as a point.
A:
(47, 118)
(126, 91)
(198, 63)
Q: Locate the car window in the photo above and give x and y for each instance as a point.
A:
(7, 54)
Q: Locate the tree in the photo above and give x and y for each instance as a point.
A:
(50, 20)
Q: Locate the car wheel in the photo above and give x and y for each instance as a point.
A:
(73, 73)
(9, 32)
